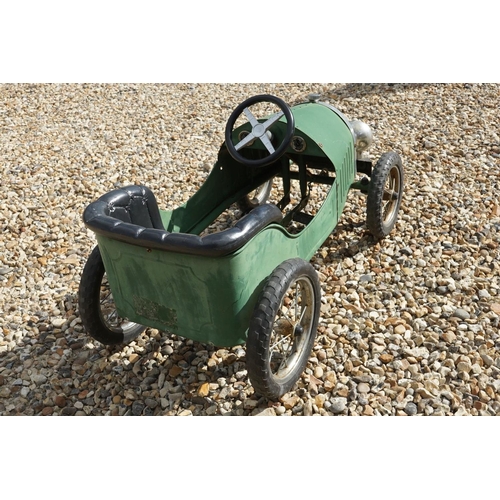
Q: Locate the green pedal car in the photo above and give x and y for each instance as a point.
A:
(252, 282)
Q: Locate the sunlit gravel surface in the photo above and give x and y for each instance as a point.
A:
(409, 326)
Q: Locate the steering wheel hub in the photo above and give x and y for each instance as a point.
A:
(259, 130)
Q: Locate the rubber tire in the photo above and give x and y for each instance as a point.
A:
(90, 307)
(377, 225)
(260, 332)
(246, 204)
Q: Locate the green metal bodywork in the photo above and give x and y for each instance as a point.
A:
(211, 299)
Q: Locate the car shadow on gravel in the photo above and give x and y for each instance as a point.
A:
(157, 374)
(164, 374)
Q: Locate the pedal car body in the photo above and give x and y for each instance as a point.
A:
(165, 273)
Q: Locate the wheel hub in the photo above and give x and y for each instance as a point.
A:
(299, 330)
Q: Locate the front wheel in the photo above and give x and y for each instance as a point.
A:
(384, 195)
(283, 328)
(97, 307)
(256, 198)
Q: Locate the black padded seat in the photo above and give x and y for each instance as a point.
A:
(131, 215)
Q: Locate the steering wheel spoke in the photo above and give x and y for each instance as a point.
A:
(245, 141)
(274, 118)
(250, 117)
(265, 140)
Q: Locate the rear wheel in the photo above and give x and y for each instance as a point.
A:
(384, 195)
(97, 307)
(283, 328)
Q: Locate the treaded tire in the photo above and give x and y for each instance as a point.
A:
(279, 314)
(260, 196)
(91, 304)
(384, 195)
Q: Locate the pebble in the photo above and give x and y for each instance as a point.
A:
(39, 379)
(411, 409)
(338, 405)
(267, 412)
(404, 321)
(363, 388)
(461, 314)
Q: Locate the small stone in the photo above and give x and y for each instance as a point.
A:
(4, 392)
(368, 410)
(400, 329)
(204, 389)
(280, 410)
(131, 394)
(424, 393)
(289, 401)
(362, 399)
(464, 366)
(68, 411)
(151, 403)
(39, 378)
(308, 409)
(268, 412)
(175, 370)
(386, 358)
(366, 278)
(338, 405)
(133, 358)
(83, 394)
(343, 392)
(198, 400)
(461, 314)
(211, 410)
(229, 359)
(76, 345)
(449, 337)
(363, 388)
(331, 378)
(319, 400)
(488, 360)
(137, 408)
(411, 409)
(250, 404)
(60, 401)
(167, 350)
(58, 322)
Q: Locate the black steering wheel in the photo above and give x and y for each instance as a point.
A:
(259, 130)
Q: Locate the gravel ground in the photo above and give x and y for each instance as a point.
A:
(409, 326)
